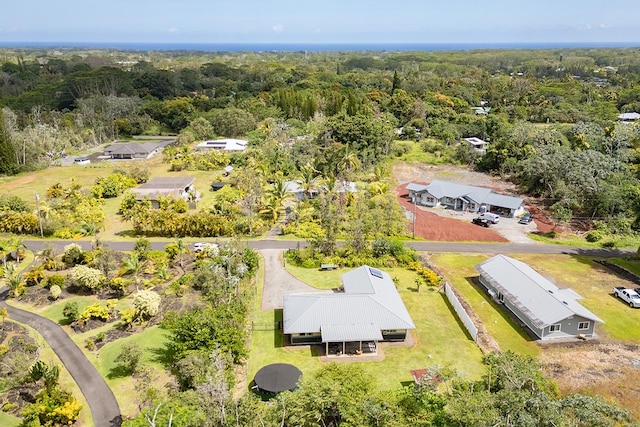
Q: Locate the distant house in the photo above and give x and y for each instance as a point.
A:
(227, 144)
(481, 111)
(628, 117)
(295, 189)
(177, 187)
(477, 144)
(368, 310)
(83, 160)
(463, 197)
(132, 150)
(548, 311)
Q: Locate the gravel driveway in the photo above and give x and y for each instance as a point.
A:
(278, 281)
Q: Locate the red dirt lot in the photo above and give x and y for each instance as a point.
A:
(430, 226)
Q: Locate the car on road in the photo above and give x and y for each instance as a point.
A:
(481, 221)
(525, 219)
(204, 246)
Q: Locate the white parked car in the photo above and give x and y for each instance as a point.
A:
(205, 246)
(491, 217)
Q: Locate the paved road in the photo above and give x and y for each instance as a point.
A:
(490, 248)
(104, 407)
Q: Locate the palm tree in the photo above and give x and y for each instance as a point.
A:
(133, 265)
(309, 179)
(182, 249)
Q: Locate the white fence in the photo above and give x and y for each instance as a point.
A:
(462, 313)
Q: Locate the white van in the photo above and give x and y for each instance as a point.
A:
(493, 218)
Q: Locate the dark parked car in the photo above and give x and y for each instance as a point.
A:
(525, 219)
(481, 221)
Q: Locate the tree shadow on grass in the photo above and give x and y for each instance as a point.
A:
(118, 371)
(164, 355)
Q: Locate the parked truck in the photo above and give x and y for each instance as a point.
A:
(629, 296)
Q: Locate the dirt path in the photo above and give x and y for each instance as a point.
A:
(278, 281)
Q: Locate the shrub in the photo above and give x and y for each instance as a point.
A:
(595, 236)
(86, 277)
(71, 311)
(127, 316)
(95, 311)
(35, 276)
(608, 244)
(73, 254)
(129, 357)
(146, 304)
(55, 280)
(54, 292)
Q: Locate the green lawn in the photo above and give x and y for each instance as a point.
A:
(152, 341)
(7, 420)
(439, 338)
(592, 281)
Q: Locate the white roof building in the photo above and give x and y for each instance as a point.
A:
(227, 144)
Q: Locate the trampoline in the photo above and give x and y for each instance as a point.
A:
(277, 377)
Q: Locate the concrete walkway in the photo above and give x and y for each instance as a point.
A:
(278, 281)
(104, 407)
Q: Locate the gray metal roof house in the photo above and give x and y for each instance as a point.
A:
(368, 310)
(548, 311)
(177, 187)
(462, 197)
(132, 150)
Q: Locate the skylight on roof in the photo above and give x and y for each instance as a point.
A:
(375, 273)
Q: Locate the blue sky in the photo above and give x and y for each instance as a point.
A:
(321, 21)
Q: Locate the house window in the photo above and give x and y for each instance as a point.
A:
(501, 298)
(583, 325)
(430, 200)
(554, 328)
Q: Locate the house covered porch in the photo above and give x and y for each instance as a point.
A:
(352, 339)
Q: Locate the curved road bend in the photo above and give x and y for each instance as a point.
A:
(489, 248)
(102, 403)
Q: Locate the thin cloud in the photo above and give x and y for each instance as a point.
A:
(278, 28)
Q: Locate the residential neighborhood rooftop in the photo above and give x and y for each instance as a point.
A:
(369, 304)
(543, 302)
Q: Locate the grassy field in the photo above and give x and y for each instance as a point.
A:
(7, 420)
(152, 340)
(568, 239)
(592, 281)
(439, 338)
(27, 184)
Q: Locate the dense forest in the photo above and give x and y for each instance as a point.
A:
(551, 115)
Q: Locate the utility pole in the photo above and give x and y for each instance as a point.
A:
(414, 217)
(39, 216)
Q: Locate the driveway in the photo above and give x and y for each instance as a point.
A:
(103, 405)
(278, 281)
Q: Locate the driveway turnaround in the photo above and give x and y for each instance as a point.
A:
(104, 407)
(278, 281)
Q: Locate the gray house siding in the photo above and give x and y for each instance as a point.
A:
(498, 297)
(394, 335)
(306, 338)
(570, 326)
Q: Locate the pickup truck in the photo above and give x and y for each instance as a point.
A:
(629, 296)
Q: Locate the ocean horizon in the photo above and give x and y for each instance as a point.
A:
(312, 47)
